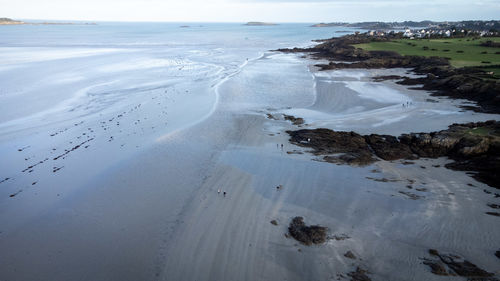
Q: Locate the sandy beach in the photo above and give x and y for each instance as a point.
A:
(156, 214)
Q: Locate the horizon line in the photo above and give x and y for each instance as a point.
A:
(238, 22)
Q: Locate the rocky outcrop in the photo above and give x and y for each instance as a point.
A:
(359, 275)
(451, 264)
(460, 83)
(389, 148)
(294, 120)
(307, 235)
(339, 147)
(475, 147)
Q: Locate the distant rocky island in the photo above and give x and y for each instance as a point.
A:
(8, 21)
(258, 23)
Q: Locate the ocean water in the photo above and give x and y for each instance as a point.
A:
(71, 95)
(82, 69)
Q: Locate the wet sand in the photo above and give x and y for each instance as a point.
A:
(157, 215)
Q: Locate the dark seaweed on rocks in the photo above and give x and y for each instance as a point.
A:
(473, 146)
(293, 119)
(359, 275)
(388, 147)
(350, 147)
(456, 265)
(307, 235)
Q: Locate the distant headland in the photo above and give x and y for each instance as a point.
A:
(8, 21)
(258, 23)
(470, 24)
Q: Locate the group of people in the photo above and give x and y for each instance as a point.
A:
(407, 104)
(218, 192)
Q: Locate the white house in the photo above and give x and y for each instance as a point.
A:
(407, 33)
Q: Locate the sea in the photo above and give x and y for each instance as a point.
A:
(74, 94)
(82, 69)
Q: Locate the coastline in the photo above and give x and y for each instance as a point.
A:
(435, 74)
(440, 77)
(157, 215)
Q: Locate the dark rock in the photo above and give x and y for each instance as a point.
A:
(307, 235)
(497, 254)
(437, 267)
(359, 275)
(433, 252)
(293, 119)
(352, 146)
(388, 147)
(352, 158)
(387, 77)
(410, 195)
(350, 255)
(383, 179)
(340, 237)
(431, 145)
(457, 265)
(270, 116)
(274, 222)
(493, 214)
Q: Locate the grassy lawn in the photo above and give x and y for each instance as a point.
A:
(461, 51)
(483, 131)
(480, 131)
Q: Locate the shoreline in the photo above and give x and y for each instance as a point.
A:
(478, 160)
(440, 76)
(158, 215)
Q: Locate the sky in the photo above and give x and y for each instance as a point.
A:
(251, 10)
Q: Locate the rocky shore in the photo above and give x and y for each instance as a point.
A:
(474, 147)
(440, 77)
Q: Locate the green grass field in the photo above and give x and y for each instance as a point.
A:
(461, 51)
(483, 131)
(480, 131)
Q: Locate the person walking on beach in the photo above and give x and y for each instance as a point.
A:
(281, 146)
(224, 194)
(218, 191)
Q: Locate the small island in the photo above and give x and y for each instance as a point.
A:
(258, 23)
